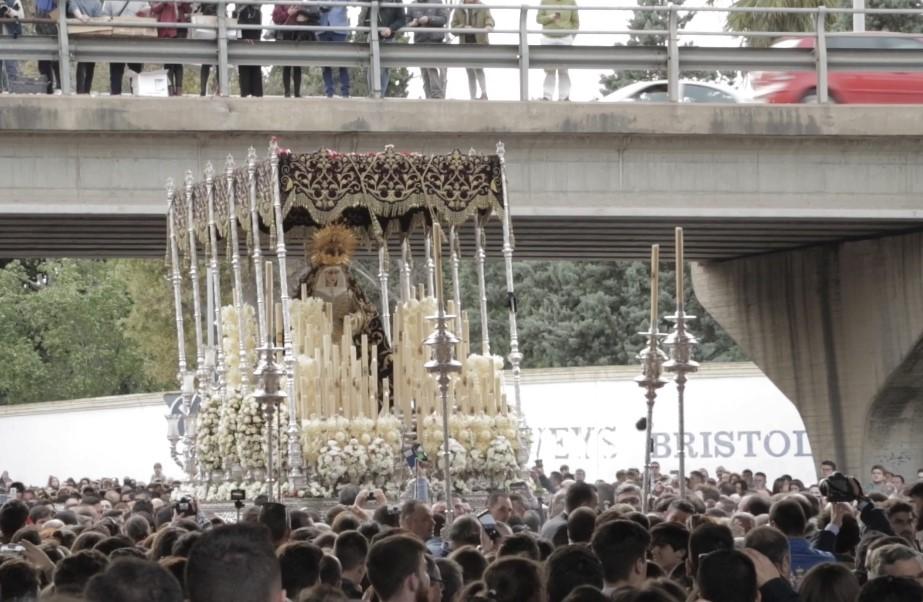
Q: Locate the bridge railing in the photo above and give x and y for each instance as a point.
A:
(368, 49)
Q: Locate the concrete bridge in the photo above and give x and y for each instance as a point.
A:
(806, 220)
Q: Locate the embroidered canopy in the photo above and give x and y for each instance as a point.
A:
(379, 193)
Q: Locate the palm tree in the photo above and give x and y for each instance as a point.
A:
(774, 21)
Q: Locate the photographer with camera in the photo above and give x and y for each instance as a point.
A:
(10, 9)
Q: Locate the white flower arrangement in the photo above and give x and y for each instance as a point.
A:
(231, 341)
(227, 428)
(458, 459)
(251, 438)
(381, 462)
(356, 458)
(331, 464)
(501, 462)
(208, 448)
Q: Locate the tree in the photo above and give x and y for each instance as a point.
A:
(61, 332)
(773, 21)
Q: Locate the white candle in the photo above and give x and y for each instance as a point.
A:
(655, 284)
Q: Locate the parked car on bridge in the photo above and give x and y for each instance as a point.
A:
(874, 87)
(689, 91)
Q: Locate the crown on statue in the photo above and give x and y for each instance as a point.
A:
(333, 245)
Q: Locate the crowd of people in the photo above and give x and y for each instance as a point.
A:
(432, 16)
(558, 538)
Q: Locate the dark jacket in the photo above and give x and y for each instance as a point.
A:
(249, 14)
(438, 17)
(778, 590)
(392, 17)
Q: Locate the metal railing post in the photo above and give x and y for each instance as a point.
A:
(523, 53)
(64, 51)
(223, 87)
(374, 52)
(820, 46)
(673, 54)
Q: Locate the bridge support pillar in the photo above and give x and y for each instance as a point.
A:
(839, 329)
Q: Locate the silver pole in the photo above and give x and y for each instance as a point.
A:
(64, 54)
(820, 46)
(238, 280)
(479, 258)
(295, 458)
(383, 283)
(523, 53)
(194, 276)
(858, 19)
(680, 344)
(256, 252)
(222, 38)
(177, 285)
(215, 318)
(375, 53)
(673, 55)
(515, 355)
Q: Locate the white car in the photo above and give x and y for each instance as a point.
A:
(689, 91)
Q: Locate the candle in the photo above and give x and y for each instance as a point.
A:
(385, 396)
(279, 324)
(680, 276)
(655, 283)
(437, 253)
(188, 383)
(268, 303)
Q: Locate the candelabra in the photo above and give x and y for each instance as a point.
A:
(652, 359)
(443, 365)
(680, 343)
(271, 382)
(185, 458)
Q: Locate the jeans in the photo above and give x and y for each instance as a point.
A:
(329, 87)
(476, 77)
(116, 71)
(563, 76)
(174, 79)
(433, 82)
(11, 68)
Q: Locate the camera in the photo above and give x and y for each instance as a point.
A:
(370, 497)
(238, 495)
(490, 525)
(13, 549)
(837, 488)
(185, 507)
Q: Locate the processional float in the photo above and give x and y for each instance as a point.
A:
(299, 387)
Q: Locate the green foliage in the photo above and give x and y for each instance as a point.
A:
(774, 21)
(61, 332)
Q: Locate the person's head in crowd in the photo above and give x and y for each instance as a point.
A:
(621, 546)
(650, 592)
(669, 545)
(465, 531)
(472, 562)
(234, 563)
(40, 514)
(569, 567)
(347, 494)
(629, 494)
(325, 540)
(300, 565)
(19, 581)
(110, 544)
(417, 518)
(880, 542)
(727, 575)
(86, 540)
(72, 574)
(742, 523)
(878, 474)
(706, 538)
(176, 566)
(397, 569)
(829, 582)
(351, 549)
(345, 521)
(331, 572)
(13, 516)
(896, 560)
(500, 506)
(132, 580)
(756, 504)
(900, 516)
(787, 515)
(580, 495)
(29, 534)
(586, 593)
(183, 545)
(891, 589)
(679, 511)
(515, 580)
(580, 525)
(520, 544)
(520, 507)
(452, 582)
(827, 468)
(162, 545)
(136, 528)
(387, 516)
(771, 543)
(275, 517)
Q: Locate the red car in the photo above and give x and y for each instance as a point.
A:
(872, 87)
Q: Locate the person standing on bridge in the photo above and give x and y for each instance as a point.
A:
(390, 20)
(250, 76)
(432, 14)
(172, 12)
(480, 19)
(557, 30)
(334, 15)
(85, 10)
(123, 8)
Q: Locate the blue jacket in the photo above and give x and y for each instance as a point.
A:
(804, 556)
(334, 16)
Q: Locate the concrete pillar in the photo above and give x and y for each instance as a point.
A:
(839, 329)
